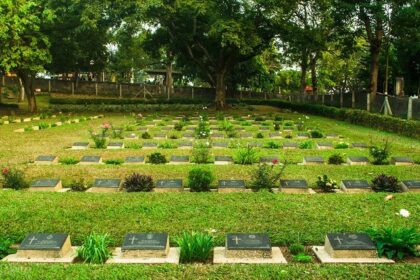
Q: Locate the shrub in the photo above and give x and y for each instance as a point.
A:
(146, 135)
(306, 145)
(288, 124)
(199, 180)
(226, 125)
(68, 161)
(342, 145)
(326, 184)
(78, 186)
(173, 136)
(296, 249)
(336, 159)
(384, 183)
(203, 130)
(220, 116)
(316, 134)
(201, 153)
(276, 126)
(246, 123)
(195, 247)
(166, 145)
(5, 249)
(179, 126)
(13, 179)
(380, 154)
(98, 139)
(138, 183)
(272, 145)
(302, 258)
(95, 249)
(133, 145)
(157, 158)
(259, 135)
(43, 125)
(232, 134)
(259, 119)
(266, 177)
(278, 118)
(396, 243)
(246, 156)
(114, 161)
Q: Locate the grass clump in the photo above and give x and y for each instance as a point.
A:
(195, 247)
(95, 249)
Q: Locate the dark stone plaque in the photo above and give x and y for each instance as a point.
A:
(223, 158)
(332, 135)
(134, 159)
(231, 184)
(264, 128)
(255, 145)
(116, 144)
(359, 159)
(150, 145)
(351, 241)
(81, 144)
(46, 158)
(190, 128)
(90, 159)
(107, 183)
(303, 135)
(325, 144)
(269, 159)
(180, 158)
(176, 183)
(160, 135)
(402, 159)
(295, 184)
(185, 145)
(218, 135)
(246, 135)
(43, 241)
(314, 159)
(142, 128)
(290, 145)
(412, 184)
(359, 145)
(356, 184)
(145, 241)
(248, 241)
(274, 134)
(166, 128)
(131, 136)
(188, 135)
(45, 183)
(220, 145)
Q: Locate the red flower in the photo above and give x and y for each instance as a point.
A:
(5, 171)
(275, 161)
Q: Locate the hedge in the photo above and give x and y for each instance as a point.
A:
(386, 123)
(115, 101)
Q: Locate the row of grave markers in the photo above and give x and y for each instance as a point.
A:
(224, 186)
(154, 248)
(221, 160)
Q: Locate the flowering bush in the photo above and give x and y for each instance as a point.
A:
(380, 154)
(203, 130)
(326, 184)
(13, 179)
(266, 176)
(384, 183)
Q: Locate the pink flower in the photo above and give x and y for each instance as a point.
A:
(275, 161)
(5, 171)
(106, 126)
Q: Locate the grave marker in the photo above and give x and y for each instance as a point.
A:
(106, 185)
(402, 161)
(179, 160)
(219, 145)
(324, 146)
(303, 135)
(228, 186)
(275, 135)
(358, 160)
(47, 159)
(134, 160)
(174, 185)
(185, 145)
(359, 145)
(355, 186)
(294, 186)
(86, 160)
(149, 145)
(290, 146)
(411, 185)
(313, 160)
(80, 146)
(50, 185)
(115, 146)
(223, 160)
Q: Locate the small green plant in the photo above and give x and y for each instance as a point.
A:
(100, 139)
(232, 134)
(380, 154)
(384, 183)
(316, 134)
(396, 243)
(5, 249)
(68, 161)
(336, 159)
(195, 247)
(138, 183)
(272, 145)
(199, 180)
(146, 135)
(203, 130)
(306, 145)
(13, 179)
(179, 126)
(278, 118)
(266, 177)
(133, 145)
(220, 116)
(78, 186)
(226, 125)
(296, 249)
(288, 124)
(157, 158)
(246, 123)
(326, 184)
(114, 161)
(43, 125)
(166, 145)
(302, 258)
(246, 156)
(201, 153)
(276, 126)
(259, 135)
(173, 136)
(95, 249)
(259, 119)
(342, 145)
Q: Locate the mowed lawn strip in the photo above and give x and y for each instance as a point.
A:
(286, 218)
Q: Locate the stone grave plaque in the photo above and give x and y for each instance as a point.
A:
(219, 145)
(188, 135)
(290, 146)
(90, 160)
(332, 135)
(359, 145)
(303, 135)
(179, 159)
(246, 135)
(185, 145)
(248, 245)
(239, 129)
(145, 245)
(358, 160)
(166, 128)
(293, 186)
(131, 136)
(355, 186)
(350, 245)
(44, 245)
(324, 146)
(269, 160)
(275, 135)
(264, 128)
(227, 186)
(174, 185)
(80, 146)
(46, 185)
(218, 135)
(223, 160)
(115, 146)
(47, 159)
(411, 185)
(160, 136)
(142, 128)
(190, 128)
(134, 160)
(106, 185)
(255, 145)
(149, 145)
(402, 161)
(313, 160)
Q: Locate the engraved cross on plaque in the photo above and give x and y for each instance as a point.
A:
(236, 239)
(338, 239)
(32, 240)
(133, 239)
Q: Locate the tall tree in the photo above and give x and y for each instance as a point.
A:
(24, 46)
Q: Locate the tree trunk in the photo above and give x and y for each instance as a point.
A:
(220, 91)
(374, 69)
(314, 75)
(303, 69)
(27, 80)
(169, 75)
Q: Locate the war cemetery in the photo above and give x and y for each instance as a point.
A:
(209, 139)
